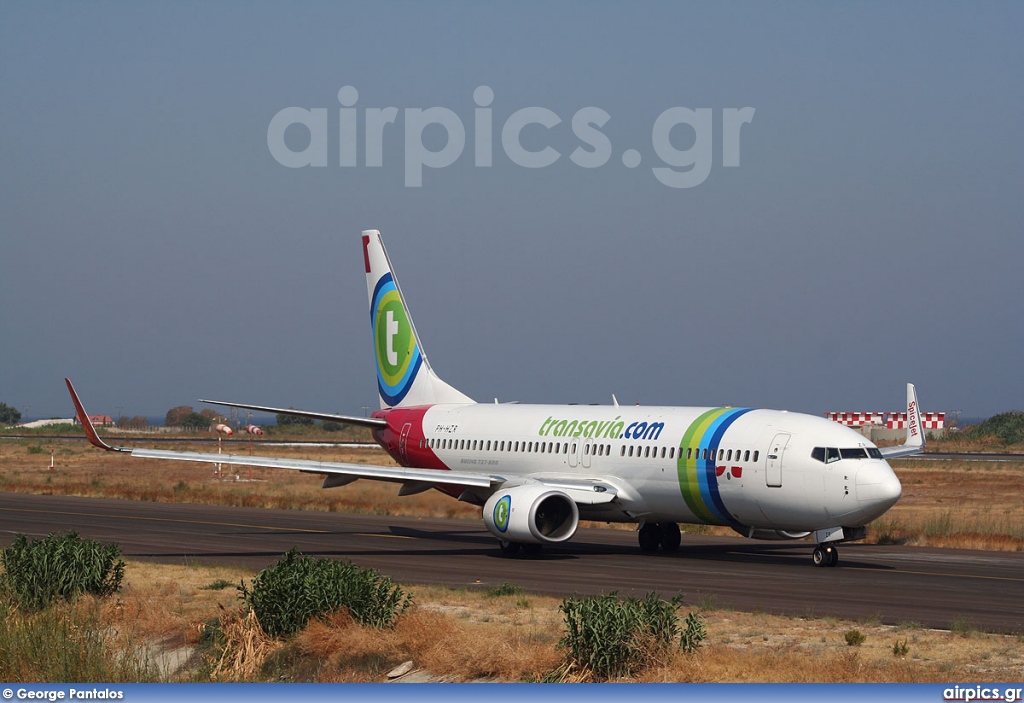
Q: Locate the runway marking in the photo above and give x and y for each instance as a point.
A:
(937, 573)
(164, 519)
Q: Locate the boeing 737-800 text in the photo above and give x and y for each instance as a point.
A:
(537, 470)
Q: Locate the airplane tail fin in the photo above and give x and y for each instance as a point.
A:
(915, 441)
(404, 376)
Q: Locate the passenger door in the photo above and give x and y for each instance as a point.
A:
(773, 460)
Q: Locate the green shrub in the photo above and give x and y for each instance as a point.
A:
(607, 637)
(61, 566)
(1008, 428)
(964, 627)
(854, 638)
(900, 648)
(693, 632)
(286, 595)
(504, 589)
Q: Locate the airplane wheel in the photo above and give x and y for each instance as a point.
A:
(649, 536)
(670, 537)
(832, 556)
(819, 557)
(509, 549)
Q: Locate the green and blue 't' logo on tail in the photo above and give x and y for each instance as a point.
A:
(398, 356)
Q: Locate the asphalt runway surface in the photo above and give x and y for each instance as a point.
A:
(889, 584)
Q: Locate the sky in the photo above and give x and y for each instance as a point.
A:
(790, 205)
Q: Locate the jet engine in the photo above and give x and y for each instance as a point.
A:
(531, 514)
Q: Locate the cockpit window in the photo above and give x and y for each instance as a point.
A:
(830, 454)
(855, 453)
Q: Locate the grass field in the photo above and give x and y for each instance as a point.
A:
(164, 613)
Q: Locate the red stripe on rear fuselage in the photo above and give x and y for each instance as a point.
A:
(417, 454)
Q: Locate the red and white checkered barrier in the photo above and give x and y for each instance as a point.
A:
(892, 421)
(856, 419)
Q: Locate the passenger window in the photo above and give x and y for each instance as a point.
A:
(689, 452)
(728, 456)
(721, 453)
(623, 452)
(756, 454)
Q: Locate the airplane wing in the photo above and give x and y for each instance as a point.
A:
(581, 490)
(337, 473)
(915, 441)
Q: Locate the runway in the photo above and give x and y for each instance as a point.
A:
(889, 584)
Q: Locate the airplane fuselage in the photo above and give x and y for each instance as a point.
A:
(741, 467)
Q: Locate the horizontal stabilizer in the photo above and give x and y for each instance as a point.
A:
(346, 419)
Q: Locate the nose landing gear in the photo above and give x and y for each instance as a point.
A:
(825, 555)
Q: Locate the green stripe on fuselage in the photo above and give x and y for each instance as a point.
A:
(689, 481)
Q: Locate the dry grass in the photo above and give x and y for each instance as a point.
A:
(245, 648)
(84, 471)
(465, 635)
(956, 504)
(169, 604)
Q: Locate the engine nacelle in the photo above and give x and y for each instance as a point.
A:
(763, 533)
(531, 514)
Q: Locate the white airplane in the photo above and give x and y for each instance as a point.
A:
(537, 470)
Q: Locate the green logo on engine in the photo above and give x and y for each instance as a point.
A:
(501, 512)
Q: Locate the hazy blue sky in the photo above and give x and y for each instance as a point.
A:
(153, 249)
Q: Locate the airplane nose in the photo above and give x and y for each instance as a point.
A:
(878, 489)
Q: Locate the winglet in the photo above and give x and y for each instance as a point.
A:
(83, 417)
(915, 442)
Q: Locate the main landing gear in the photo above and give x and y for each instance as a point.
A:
(653, 535)
(825, 555)
(514, 549)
